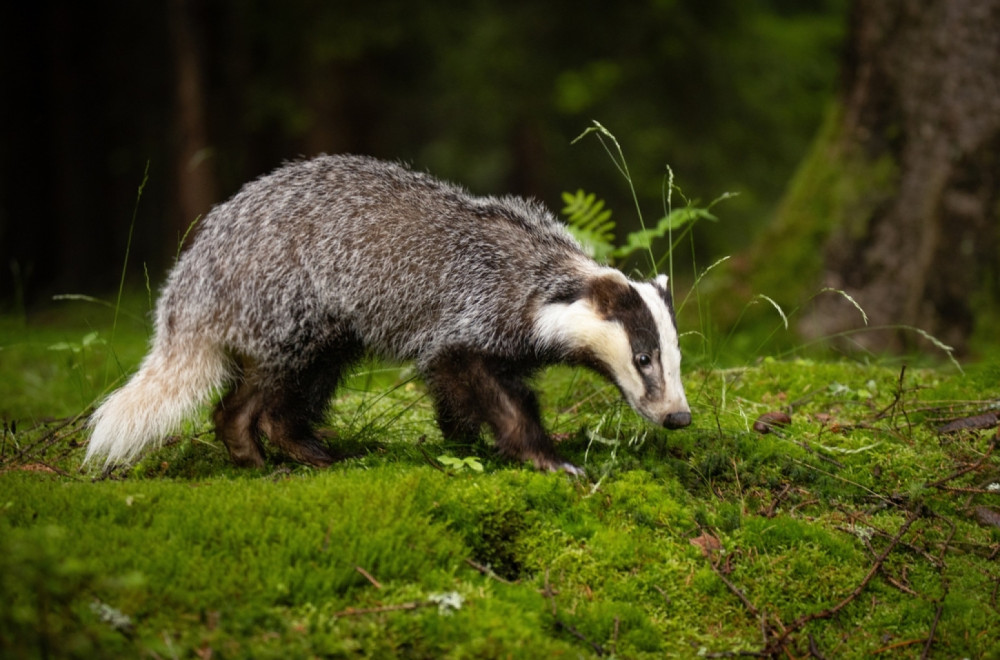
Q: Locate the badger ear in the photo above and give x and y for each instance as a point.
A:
(611, 295)
(660, 283)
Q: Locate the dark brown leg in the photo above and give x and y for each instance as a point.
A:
(470, 389)
(456, 407)
(297, 401)
(294, 437)
(236, 424)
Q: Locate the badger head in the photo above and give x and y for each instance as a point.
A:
(626, 331)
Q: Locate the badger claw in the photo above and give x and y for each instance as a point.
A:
(563, 466)
(572, 470)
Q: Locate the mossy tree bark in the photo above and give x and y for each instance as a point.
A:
(899, 203)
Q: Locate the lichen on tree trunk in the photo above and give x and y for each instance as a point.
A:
(898, 203)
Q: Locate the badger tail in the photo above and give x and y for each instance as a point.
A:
(173, 380)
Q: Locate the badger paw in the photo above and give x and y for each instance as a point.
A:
(559, 465)
(572, 470)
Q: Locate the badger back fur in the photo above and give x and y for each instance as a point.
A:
(306, 269)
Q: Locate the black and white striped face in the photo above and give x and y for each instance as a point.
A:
(626, 331)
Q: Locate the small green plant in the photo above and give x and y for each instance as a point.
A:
(591, 223)
(860, 529)
(89, 339)
(459, 464)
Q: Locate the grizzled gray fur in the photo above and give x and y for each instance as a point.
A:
(308, 268)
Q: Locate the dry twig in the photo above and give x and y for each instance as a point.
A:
(562, 625)
(384, 608)
(368, 576)
(940, 483)
(779, 643)
(487, 571)
(775, 641)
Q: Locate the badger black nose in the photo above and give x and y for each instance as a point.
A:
(677, 420)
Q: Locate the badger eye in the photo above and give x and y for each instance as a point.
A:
(643, 360)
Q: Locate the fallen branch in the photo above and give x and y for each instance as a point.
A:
(61, 473)
(487, 571)
(899, 645)
(52, 436)
(779, 643)
(385, 608)
(598, 649)
(965, 470)
(931, 559)
(736, 654)
(430, 460)
(735, 590)
(973, 423)
(776, 500)
(368, 576)
(813, 648)
(560, 624)
(764, 627)
(934, 625)
(819, 455)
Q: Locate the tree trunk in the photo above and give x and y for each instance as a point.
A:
(907, 175)
(196, 182)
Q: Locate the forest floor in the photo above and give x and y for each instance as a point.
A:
(866, 524)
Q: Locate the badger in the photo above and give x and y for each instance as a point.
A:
(310, 268)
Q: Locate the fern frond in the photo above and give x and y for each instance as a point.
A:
(590, 223)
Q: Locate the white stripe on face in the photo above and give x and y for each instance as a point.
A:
(672, 398)
(581, 327)
(578, 326)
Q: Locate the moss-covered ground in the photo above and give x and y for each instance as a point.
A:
(858, 530)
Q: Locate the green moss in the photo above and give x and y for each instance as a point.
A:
(294, 562)
(836, 189)
(49, 607)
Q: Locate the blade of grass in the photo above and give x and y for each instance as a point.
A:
(621, 164)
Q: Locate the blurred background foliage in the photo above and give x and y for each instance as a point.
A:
(210, 94)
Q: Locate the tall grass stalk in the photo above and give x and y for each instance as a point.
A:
(121, 281)
(685, 219)
(668, 208)
(183, 239)
(128, 249)
(618, 158)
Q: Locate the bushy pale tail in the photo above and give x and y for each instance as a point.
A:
(170, 385)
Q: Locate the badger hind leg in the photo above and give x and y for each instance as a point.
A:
(470, 389)
(293, 402)
(293, 433)
(250, 411)
(237, 424)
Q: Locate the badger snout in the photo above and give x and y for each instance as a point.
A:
(677, 420)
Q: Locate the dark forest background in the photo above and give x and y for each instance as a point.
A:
(863, 136)
(489, 94)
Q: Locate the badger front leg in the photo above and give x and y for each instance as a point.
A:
(470, 389)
